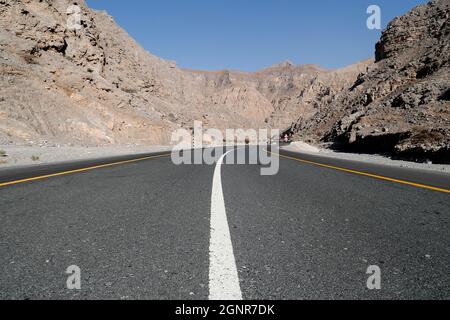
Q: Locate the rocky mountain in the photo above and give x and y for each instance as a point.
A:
(285, 90)
(401, 105)
(96, 85)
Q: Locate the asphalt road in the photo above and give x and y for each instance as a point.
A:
(143, 229)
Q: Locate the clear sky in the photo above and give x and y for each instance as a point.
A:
(252, 34)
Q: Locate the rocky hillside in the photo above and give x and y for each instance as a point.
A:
(286, 90)
(75, 86)
(94, 85)
(401, 105)
(97, 86)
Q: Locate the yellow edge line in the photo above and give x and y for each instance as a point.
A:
(80, 170)
(365, 174)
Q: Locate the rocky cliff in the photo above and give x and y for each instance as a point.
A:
(400, 106)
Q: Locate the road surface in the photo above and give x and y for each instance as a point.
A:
(148, 229)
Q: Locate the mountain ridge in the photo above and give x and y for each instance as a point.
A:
(98, 86)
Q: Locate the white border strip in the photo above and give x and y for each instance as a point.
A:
(223, 275)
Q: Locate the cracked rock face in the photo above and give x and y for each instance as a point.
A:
(69, 86)
(401, 106)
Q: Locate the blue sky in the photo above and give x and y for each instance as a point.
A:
(252, 34)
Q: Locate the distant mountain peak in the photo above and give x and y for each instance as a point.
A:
(284, 64)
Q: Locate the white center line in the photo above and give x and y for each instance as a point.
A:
(223, 275)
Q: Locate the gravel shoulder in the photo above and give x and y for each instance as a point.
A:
(367, 158)
(17, 156)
